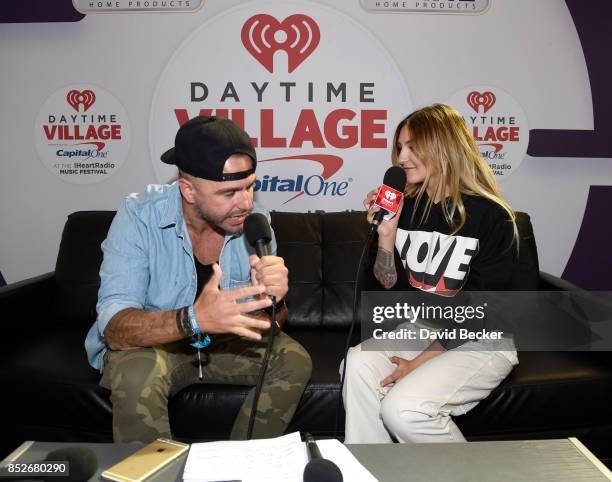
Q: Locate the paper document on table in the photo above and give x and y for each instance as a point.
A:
(280, 459)
(273, 459)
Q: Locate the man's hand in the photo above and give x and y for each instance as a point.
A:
(281, 314)
(218, 312)
(271, 273)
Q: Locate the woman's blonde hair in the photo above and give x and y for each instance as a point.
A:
(441, 139)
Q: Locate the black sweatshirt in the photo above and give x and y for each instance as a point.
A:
(481, 256)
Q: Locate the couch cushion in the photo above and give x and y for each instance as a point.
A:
(344, 236)
(78, 265)
(547, 391)
(300, 242)
(321, 251)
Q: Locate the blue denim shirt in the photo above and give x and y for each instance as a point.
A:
(148, 261)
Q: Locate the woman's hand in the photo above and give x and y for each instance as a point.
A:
(368, 203)
(386, 229)
(404, 367)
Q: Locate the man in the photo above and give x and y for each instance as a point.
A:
(167, 314)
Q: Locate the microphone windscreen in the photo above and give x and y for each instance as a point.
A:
(395, 177)
(322, 470)
(256, 227)
(82, 463)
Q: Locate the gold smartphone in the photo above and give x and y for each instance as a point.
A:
(148, 460)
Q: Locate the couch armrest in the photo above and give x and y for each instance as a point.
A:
(35, 295)
(594, 307)
(549, 282)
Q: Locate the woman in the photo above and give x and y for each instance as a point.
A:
(454, 231)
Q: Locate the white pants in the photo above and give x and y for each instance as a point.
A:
(418, 408)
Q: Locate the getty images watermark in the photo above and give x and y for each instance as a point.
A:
(427, 322)
(486, 320)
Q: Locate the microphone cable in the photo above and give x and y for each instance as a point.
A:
(395, 179)
(353, 322)
(262, 370)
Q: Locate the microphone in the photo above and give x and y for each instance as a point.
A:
(389, 194)
(319, 469)
(258, 233)
(82, 465)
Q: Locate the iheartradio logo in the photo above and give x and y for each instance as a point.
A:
(498, 124)
(390, 195)
(388, 199)
(86, 98)
(263, 35)
(82, 137)
(486, 100)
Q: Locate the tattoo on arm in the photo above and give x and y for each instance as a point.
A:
(384, 268)
(134, 328)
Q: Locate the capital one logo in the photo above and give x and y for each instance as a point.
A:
(86, 98)
(263, 35)
(486, 100)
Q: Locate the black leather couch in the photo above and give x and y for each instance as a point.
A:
(51, 393)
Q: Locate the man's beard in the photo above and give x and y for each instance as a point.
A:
(218, 221)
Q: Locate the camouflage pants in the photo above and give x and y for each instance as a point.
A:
(142, 381)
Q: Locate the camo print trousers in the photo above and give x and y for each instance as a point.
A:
(142, 380)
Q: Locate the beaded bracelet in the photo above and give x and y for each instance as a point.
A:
(200, 339)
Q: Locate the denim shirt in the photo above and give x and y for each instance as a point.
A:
(148, 261)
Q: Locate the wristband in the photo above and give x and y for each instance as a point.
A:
(200, 339)
(182, 323)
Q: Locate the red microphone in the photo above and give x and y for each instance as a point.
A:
(389, 195)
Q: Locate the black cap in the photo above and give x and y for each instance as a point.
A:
(203, 144)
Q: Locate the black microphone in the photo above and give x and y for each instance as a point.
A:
(395, 178)
(258, 233)
(319, 469)
(82, 465)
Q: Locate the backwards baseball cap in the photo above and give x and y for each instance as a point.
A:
(203, 144)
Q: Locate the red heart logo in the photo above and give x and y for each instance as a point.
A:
(298, 35)
(476, 100)
(85, 98)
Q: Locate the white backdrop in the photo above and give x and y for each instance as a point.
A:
(146, 61)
